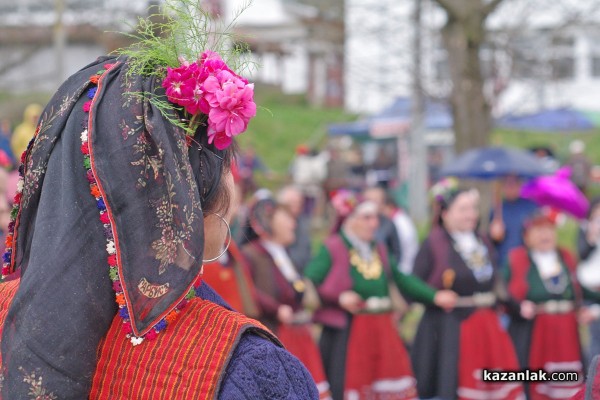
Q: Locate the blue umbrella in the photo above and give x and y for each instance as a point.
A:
(551, 120)
(395, 119)
(494, 162)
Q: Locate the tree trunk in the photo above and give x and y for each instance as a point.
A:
(418, 158)
(464, 34)
(463, 39)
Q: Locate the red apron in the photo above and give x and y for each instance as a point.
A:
(485, 345)
(555, 347)
(377, 364)
(298, 341)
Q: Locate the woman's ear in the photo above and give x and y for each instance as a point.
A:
(443, 215)
(234, 202)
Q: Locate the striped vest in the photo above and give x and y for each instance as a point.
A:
(188, 361)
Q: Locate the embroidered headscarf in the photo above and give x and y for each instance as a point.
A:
(111, 204)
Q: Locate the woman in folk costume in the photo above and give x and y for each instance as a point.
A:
(541, 278)
(358, 285)
(588, 272)
(451, 348)
(120, 194)
(280, 290)
(591, 391)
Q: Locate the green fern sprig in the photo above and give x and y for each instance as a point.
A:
(182, 29)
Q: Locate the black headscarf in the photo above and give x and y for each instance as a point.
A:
(152, 187)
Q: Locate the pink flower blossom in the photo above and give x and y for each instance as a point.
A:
(211, 64)
(220, 139)
(210, 87)
(182, 86)
(234, 108)
(343, 202)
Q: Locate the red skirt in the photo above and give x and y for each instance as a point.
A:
(377, 364)
(555, 347)
(485, 345)
(298, 341)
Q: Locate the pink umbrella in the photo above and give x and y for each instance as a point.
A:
(557, 191)
(5, 160)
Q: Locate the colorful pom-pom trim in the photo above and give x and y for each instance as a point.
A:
(7, 259)
(111, 247)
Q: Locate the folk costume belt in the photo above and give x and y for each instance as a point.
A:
(477, 300)
(555, 307)
(374, 305)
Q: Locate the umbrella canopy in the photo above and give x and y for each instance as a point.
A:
(395, 120)
(552, 120)
(356, 129)
(557, 191)
(494, 162)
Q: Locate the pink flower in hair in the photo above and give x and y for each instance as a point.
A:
(344, 201)
(233, 109)
(220, 139)
(182, 86)
(210, 87)
(211, 64)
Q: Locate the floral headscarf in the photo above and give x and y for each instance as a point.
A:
(108, 217)
(111, 190)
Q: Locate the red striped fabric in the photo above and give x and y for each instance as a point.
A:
(7, 292)
(187, 361)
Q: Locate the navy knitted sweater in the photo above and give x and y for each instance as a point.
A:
(259, 369)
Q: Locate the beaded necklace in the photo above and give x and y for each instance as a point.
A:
(370, 270)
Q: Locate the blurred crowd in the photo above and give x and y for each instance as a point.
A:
(334, 266)
(14, 138)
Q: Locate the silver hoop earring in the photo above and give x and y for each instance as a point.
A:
(228, 241)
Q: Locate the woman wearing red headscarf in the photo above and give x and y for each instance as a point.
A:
(541, 277)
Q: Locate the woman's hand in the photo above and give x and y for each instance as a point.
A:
(589, 314)
(593, 231)
(351, 301)
(497, 230)
(445, 299)
(527, 309)
(285, 314)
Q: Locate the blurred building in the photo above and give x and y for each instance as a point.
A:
(299, 45)
(298, 48)
(44, 41)
(539, 55)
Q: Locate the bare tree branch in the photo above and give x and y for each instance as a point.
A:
(449, 7)
(491, 7)
(24, 56)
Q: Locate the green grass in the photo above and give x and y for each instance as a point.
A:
(558, 142)
(284, 122)
(13, 105)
